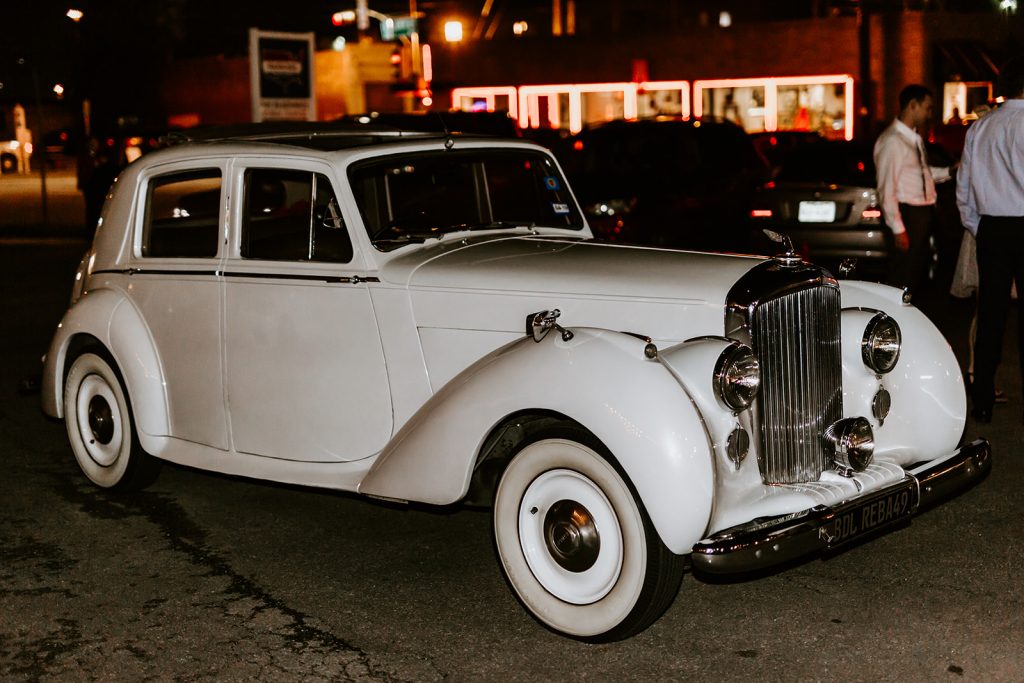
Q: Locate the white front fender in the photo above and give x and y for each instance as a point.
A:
(929, 403)
(601, 380)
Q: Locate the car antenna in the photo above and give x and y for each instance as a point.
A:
(449, 139)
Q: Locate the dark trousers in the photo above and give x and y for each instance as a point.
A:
(910, 268)
(1000, 262)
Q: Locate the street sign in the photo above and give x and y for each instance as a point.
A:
(397, 27)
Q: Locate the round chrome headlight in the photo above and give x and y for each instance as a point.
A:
(880, 347)
(851, 444)
(737, 377)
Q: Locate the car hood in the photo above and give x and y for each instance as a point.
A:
(574, 267)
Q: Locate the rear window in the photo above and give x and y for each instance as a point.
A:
(831, 164)
(182, 215)
(667, 152)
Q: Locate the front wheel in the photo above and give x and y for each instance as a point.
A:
(100, 427)
(576, 544)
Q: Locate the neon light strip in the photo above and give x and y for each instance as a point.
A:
(528, 95)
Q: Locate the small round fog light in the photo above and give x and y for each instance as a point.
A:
(737, 446)
(851, 444)
(880, 405)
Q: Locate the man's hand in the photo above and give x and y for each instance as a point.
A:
(902, 241)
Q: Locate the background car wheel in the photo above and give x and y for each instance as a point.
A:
(576, 544)
(8, 163)
(101, 428)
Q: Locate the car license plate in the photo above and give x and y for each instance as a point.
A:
(874, 512)
(817, 212)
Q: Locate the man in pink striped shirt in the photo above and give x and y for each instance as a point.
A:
(906, 187)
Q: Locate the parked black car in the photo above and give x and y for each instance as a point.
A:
(667, 182)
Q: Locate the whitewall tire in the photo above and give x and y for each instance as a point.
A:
(576, 544)
(100, 426)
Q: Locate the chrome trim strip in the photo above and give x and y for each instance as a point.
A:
(354, 279)
(766, 543)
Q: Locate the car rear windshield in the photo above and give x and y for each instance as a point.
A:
(829, 163)
(414, 197)
(665, 152)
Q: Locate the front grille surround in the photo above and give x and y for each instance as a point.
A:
(789, 313)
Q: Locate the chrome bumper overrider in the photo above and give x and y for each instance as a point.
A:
(764, 543)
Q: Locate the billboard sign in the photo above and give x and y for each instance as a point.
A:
(281, 76)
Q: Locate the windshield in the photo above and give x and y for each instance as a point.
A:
(414, 197)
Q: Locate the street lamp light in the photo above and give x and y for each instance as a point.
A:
(74, 15)
(453, 31)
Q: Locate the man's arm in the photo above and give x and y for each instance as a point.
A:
(969, 215)
(887, 167)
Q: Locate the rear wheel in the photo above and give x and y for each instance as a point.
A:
(576, 544)
(101, 428)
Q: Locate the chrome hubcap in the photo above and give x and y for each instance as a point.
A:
(101, 420)
(571, 536)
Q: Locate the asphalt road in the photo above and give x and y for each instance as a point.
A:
(205, 577)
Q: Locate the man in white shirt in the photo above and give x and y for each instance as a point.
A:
(990, 196)
(906, 187)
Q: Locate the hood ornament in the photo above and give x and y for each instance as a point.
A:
(789, 257)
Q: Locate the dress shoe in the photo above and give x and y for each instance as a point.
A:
(982, 415)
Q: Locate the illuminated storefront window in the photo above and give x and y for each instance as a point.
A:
(822, 104)
(496, 98)
(663, 98)
(964, 100)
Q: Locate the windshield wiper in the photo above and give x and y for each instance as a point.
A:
(492, 225)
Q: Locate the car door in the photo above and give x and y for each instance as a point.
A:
(181, 214)
(305, 374)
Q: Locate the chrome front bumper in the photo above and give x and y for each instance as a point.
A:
(765, 543)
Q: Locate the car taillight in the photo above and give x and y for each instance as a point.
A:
(871, 214)
(761, 213)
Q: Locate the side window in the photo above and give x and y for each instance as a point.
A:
(292, 216)
(182, 215)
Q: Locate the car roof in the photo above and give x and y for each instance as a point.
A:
(343, 133)
(329, 142)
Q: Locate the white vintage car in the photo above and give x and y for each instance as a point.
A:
(428, 319)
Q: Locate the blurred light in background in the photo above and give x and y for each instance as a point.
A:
(453, 31)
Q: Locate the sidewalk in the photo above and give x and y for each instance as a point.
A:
(21, 212)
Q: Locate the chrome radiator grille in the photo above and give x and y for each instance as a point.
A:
(796, 337)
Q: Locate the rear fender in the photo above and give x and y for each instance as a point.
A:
(107, 316)
(600, 379)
